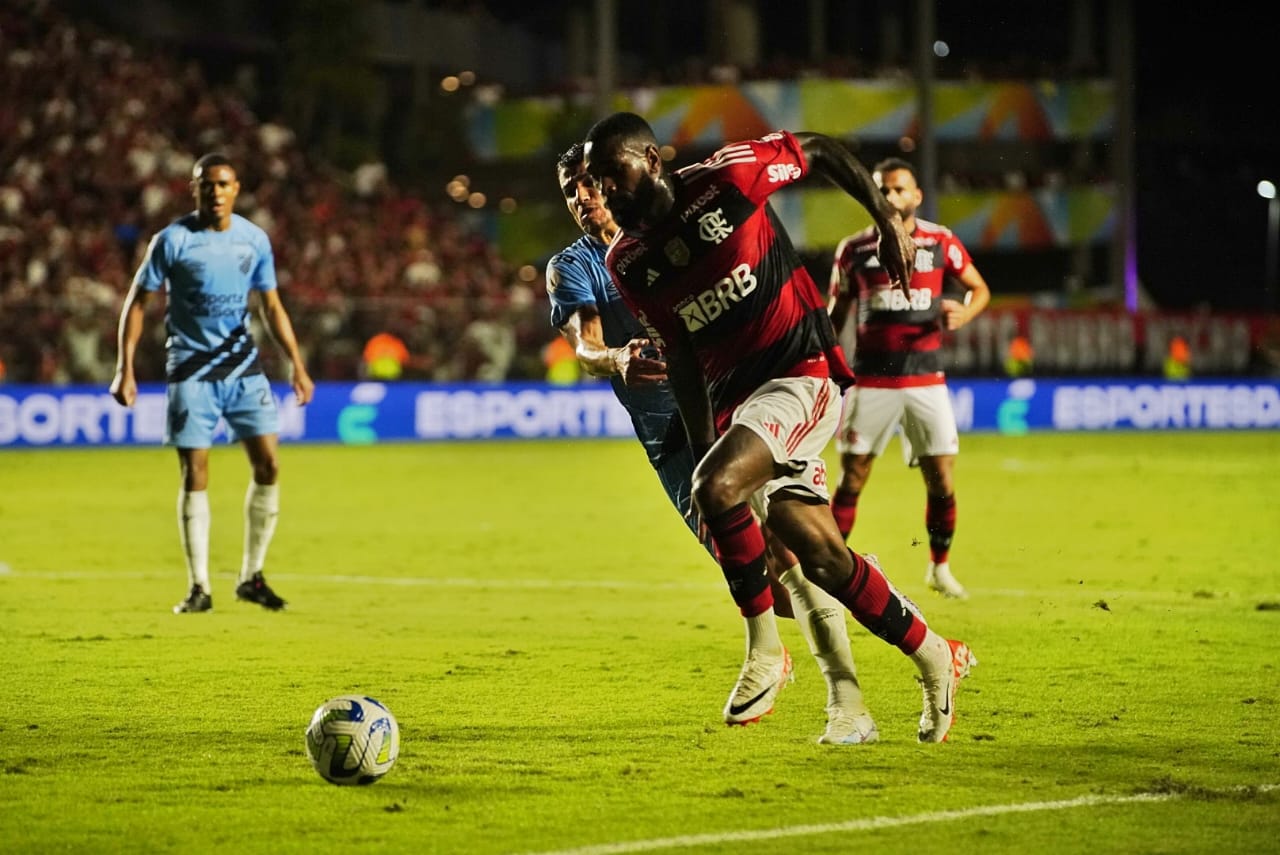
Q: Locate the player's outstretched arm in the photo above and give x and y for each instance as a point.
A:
(829, 158)
(277, 320)
(585, 333)
(124, 385)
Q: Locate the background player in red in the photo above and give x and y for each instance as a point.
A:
(898, 363)
(755, 367)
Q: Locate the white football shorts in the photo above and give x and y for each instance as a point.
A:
(796, 417)
(872, 415)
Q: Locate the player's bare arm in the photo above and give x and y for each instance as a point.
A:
(585, 333)
(841, 297)
(690, 391)
(828, 158)
(977, 296)
(124, 386)
(277, 321)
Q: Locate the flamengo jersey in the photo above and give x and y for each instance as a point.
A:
(208, 275)
(899, 336)
(721, 271)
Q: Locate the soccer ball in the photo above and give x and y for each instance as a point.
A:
(353, 740)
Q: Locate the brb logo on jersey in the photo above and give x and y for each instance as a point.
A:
(700, 310)
(713, 227)
(780, 172)
(893, 300)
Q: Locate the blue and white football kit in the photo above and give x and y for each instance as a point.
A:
(212, 365)
(577, 277)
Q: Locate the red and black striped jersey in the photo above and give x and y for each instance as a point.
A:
(899, 341)
(720, 271)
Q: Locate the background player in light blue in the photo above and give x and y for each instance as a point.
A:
(610, 342)
(209, 262)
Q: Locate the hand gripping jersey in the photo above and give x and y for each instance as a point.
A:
(721, 271)
(576, 277)
(899, 336)
(208, 275)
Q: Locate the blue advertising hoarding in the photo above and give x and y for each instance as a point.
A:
(363, 413)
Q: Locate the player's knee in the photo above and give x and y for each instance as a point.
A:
(266, 471)
(826, 564)
(714, 492)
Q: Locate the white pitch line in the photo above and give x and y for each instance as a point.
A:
(549, 582)
(872, 824)
(553, 582)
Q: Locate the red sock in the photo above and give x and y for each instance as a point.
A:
(940, 522)
(844, 507)
(740, 544)
(875, 606)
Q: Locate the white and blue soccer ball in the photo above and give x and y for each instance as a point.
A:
(353, 739)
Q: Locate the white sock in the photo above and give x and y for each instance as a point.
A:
(261, 507)
(193, 529)
(933, 653)
(821, 618)
(762, 633)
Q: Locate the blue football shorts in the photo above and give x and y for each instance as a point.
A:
(246, 404)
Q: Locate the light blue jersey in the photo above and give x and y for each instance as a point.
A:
(208, 275)
(577, 277)
(211, 359)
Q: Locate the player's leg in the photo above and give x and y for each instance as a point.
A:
(675, 472)
(737, 465)
(858, 582)
(193, 528)
(870, 417)
(790, 417)
(192, 415)
(940, 523)
(250, 413)
(855, 469)
(929, 424)
(823, 625)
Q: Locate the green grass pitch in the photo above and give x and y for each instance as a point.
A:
(557, 650)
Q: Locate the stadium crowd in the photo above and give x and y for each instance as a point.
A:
(97, 140)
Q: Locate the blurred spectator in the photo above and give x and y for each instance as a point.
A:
(86, 169)
(1177, 362)
(562, 362)
(385, 356)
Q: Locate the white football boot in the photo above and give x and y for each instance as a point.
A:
(938, 577)
(757, 688)
(938, 681)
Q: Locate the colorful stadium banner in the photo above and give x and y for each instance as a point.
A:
(871, 110)
(366, 413)
(817, 218)
(983, 220)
